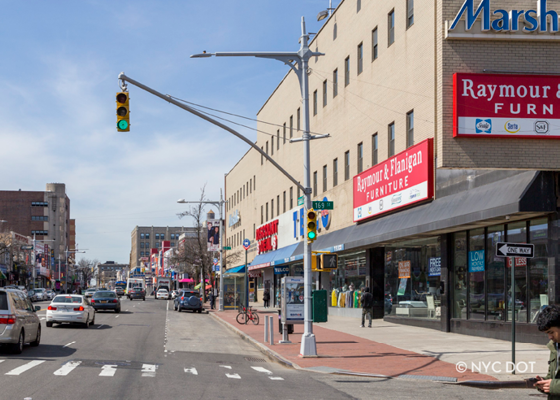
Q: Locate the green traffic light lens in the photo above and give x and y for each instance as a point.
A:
(311, 235)
(122, 124)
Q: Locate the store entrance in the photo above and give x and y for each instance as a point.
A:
(377, 273)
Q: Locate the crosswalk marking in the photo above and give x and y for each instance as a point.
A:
(149, 370)
(67, 368)
(233, 376)
(25, 367)
(225, 366)
(261, 369)
(191, 370)
(108, 370)
(275, 378)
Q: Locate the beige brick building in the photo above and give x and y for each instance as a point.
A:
(384, 84)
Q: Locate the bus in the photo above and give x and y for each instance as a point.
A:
(135, 282)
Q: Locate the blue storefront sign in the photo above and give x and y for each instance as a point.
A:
(435, 266)
(282, 270)
(476, 261)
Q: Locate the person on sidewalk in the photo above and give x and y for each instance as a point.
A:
(367, 306)
(549, 323)
(266, 298)
(212, 299)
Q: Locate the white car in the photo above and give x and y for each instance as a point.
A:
(50, 294)
(40, 294)
(162, 294)
(173, 294)
(72, 309)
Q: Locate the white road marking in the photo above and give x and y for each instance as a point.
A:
(126, 310)
(225, 366)
(191, 370)
(1, 361)
(43, 318)
(261, 369)
(275, 378)
(67, 368)
(108, 370)
(99, 327)
(116, 316)
(25, 367)
(233, 376)
(68, 344)
(149, 370)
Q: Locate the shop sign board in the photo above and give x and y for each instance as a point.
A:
(434, 266)
(400, 181)
(476, 261)
(404, 269)
(282, 270)
(267, 237)
(506, 106)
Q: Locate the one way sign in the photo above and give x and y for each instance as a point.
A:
(515, 250)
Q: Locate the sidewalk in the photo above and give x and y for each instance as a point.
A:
(394, 350)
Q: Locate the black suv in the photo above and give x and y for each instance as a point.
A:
(137, 293)
(188, 299)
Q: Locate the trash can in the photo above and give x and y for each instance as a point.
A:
(319, 311)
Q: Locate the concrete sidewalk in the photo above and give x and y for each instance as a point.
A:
(395, 350)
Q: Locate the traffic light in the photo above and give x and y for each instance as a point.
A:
(316, 262)
(311, 225)
(329, 261)
(123, 112)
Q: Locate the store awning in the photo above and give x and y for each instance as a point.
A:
(276, 257)
(236, 270)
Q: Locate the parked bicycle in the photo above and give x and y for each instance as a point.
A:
(244, 316)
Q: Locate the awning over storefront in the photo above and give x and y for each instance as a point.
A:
(277, 257)
(236, 270)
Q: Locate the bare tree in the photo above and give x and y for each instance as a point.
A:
(85, 267)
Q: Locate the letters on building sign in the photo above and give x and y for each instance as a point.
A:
(539, 20)
(267, 237)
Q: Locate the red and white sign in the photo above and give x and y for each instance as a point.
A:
(520, 106)
(402, 180)
(267, 237)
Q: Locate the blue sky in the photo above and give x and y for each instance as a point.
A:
(59, 62)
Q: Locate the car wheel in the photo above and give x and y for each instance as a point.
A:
(37, 340)
(117, 310)
(179, 309)
(86, 325)
(199, 311)
(144, 299)
(17, 348)
(93, 320)
(49, 324)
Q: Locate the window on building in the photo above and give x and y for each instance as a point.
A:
(476, 279)
(298, 119)
(391, 27)
(314, 183)
(141, 245)
(251, 186)
(262, 157)
(358, 5)
(42, 233)
(374, 150)
(347, 165)
(255, 182)
(335, 172)
(272, 145)
(147, 235)
(324, 178)
(410, 129)
(291, 126)
(315, 102)
(374, 45)
(325, 93)
(262, 215)
(284, 203)
(39, 204)
(277, 205)
(360, 58)
(360, 157)
(172, 244)
(141, 236)
(335, 83)
(157, 236)
(266, 211)
(391, 137)
(284, 132)
(347, 71)
(410, 13)
(39, 218)
(272, 209)
(334, 32)
(291, 197)
(278, 139)
(254, 231)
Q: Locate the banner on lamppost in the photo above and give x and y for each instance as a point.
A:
(213, 226)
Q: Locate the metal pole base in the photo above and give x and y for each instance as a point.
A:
(285, 338)
(308, 346)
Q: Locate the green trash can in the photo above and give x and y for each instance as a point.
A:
(319, 311)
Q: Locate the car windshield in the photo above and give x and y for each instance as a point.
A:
(137, 289)
(162, 291)
(67, 299)
(39, 290)
(105, 294)
(188, 294)
(91, 290)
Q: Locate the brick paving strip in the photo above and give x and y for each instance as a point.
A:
(344, 353)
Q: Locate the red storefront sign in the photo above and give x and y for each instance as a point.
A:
(514, 106)
(402, 180)
(267, 237)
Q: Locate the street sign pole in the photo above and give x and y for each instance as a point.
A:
(246, 283)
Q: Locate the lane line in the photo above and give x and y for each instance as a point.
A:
(116, 316)
(43, 318)
(1, 361)
(149, 370)
(275, 378)
(25, 367)
(191, 370)
(261, 369)
(108, 370)
(99, 327)
(68, 344)
(233, 376)
(67, 368)
(225, 366)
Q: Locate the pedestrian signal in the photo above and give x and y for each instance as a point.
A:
(123, 112)
(311, 225)
(329, 261)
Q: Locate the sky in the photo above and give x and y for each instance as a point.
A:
(59, 63)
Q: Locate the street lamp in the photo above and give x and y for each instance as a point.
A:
(298, 62)
(220, 205)
(326, 13)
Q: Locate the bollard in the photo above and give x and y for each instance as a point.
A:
(271, 331)
(285, 337)
(266, 328)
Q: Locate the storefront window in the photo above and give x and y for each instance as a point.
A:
(495, 275)
(517, 233)
(460, 279)
(347, 282)
(538, 267)
(476, 263)
(412, 279)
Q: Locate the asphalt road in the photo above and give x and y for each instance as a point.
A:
(149, 351)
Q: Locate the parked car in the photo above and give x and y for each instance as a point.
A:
(106, 300)
(31, 295)
(19, 322)
(162, 294)
(188, 299)
(72, 309)
(50, 294)
(41, 294)
(137, 293)
(89, 292)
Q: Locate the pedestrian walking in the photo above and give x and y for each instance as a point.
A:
(212, 299)
(548, 322)
(367, 306)
(266, 298)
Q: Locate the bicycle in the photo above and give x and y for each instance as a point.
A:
(244, 316)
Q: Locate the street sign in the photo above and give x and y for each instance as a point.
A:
(323, 205)
(515, 250)
(246, 244)
(226, 248)
(215, 261)
(300, 201)
(30, 247)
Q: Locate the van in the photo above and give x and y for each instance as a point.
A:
(19, 323)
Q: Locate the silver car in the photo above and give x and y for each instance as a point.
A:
(19, 322)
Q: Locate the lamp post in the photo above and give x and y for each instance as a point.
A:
(298, 62)
(220, 205)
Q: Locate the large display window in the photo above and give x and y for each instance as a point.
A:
(347, 282)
